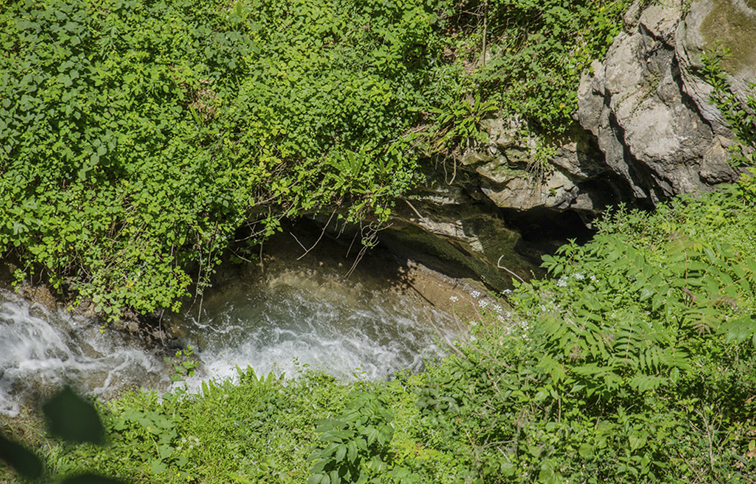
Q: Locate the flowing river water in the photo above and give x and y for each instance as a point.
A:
(285, 316)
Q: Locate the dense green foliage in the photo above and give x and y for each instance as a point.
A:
(634, 362)
(151, 142)
(538, 49)
(637, 362)
(139, 138)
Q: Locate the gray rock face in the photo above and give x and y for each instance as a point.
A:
(646, 128)
(731, 22)
(648, 105)
(645, 131)
(506, 173)
(458, 225)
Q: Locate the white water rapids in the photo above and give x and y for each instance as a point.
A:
(42, 350)
(282, 320)
(298, 318)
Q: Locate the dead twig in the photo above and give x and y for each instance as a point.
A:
(415, 210)
(512, 273)
(322, 232)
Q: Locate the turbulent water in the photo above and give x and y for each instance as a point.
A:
(285, 319)
(42, 350)
(303, 318)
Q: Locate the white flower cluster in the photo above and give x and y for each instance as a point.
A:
(525, 327)
(188, 443)
(563, 281)
(501, 314)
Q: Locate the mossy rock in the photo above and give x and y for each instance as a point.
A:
(733, 24)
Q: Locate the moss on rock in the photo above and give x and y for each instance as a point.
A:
(733, 23)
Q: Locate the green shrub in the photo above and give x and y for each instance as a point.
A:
(139, 138)
(632, 362)
(538, 51)
(357, 439)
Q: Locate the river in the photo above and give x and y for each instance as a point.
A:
(282, 316)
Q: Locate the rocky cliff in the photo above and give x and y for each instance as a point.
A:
(645, 131)
(645, 128)
(648, 104)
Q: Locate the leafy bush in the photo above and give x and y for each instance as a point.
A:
(537, 52)
(259, 429)
(139, 138)
(634, 362)
(358, 437)
(72, 420)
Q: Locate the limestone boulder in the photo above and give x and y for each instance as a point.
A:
(708, 26)
(649, 109)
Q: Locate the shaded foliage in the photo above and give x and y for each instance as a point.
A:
(139, 138)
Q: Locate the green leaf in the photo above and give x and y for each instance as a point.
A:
(341, 453)
(73, 419)
(352, 451)
(638, 440)
(157, 466)
(360, 442)
(372, 434)
(315, 479)
(23, 461)
(165, 451)
(586, 451)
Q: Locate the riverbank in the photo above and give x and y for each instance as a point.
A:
(307, 303)
(633, 361)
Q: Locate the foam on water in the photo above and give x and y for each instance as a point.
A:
(287, 321)
(282, 322)
(42, 350)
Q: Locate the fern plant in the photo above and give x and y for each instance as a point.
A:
(660, 310)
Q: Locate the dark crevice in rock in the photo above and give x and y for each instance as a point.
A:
(639, 173)
(544, 231)
(685, 98)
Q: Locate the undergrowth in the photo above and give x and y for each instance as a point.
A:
(634, 362)
(140, 139)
